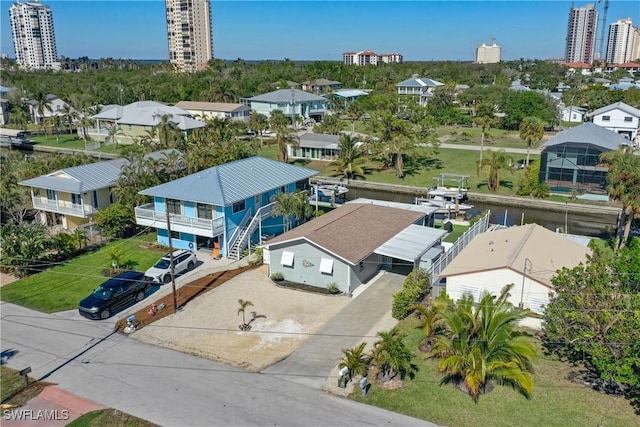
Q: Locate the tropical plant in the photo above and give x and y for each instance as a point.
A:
(115, 256)
(243, 305)
(354, 113)
(355, 360)
(277, 276)
(115, 219)
(496, 161)
(114, 131)
(259, 123)
(414, 288)
(391, 356)
(22, 244)
(291, 206)
(41, 106)
(285, 137)
(531, 129)
(351, 157)
(431, 318)
(333, 288)
(485, 119)
(477, 345)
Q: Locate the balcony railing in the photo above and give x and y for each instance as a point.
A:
(62, 207)
(148, 216)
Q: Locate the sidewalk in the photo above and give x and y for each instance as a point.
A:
(53, 407)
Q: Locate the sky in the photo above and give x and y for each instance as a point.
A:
(321, 30)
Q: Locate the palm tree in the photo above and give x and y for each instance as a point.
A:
(624, 185)
(354, 112)
(498, 160)
(478, 345)
(113, 132)
(531, 129)
(278, 121)
(431, 318)
(355, 361)
(290, 206)
(42, 105)
(259, 123)
(391, 356)
(285, 137)
(351, 157)
(484, 119)
(10, 192)
(243, 305)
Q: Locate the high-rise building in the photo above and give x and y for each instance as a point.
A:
(189, 34)
(34, 41)
(488, 54)
(623, 44)
(581, 34)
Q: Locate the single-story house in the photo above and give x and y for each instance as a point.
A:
(527, 256)
(292, 102)
(350, 244)
(220, 110)
(420, 87)
(573, 114)
(570, 160)
(285, 84)
(319, 86)
(138, 119)
(315, 146)
(70, 197)
(344, 97)
(618, 117)
(54, 107)
(227, 206)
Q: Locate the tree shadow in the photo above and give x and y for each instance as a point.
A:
(413, 166)
(300, 162)
(6, 355)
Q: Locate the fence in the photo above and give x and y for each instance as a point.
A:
(445, 258)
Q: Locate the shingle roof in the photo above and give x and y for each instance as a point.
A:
(80, 179)
(588, 133)
(353, 231)
(284, 96)
(616, 106)
(510, 248)
(211, 106)
(420, 82)
(232, 182)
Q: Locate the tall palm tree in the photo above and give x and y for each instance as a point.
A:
(354, 113)
(531, 129)
(484, 119)
(259, 123)
(623, 181)
(391, 356)
(42, 105)
(291, 206)
(351, 157)
(478, 345)
(497, 161)
(113, 132)
(285, 137)
(278, 121)
(243, 305)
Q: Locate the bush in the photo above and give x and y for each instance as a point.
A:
(333, 288)
(415, 287)
(277, 276)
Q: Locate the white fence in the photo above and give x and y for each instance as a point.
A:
(441, 263)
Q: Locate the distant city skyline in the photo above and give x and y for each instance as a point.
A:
(321, 30)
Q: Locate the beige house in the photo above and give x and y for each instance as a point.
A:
(527, 256)
(219, 110)
(54, 107)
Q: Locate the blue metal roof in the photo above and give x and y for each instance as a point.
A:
(232, 182)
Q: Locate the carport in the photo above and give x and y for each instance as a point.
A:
(404, 250)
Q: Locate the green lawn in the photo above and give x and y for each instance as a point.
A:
(421, 171)
(555, 401)
(109, 418)
(62, 287)
(458, 230)
(72, 142)
(497, 137)
(13, 387)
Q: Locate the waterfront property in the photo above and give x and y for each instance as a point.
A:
(527, 256)
(350, 244)
(54, 107)
(420, 88)
(220, 110)
(130, 123)
(573, 114)
(570, 160)
(226, 207)
(292, 103)
(70, 197)
(320, 86)
(316, 146)
(620, 118)
(344, 97)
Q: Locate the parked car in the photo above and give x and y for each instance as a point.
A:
(114, 294)
(161, 271)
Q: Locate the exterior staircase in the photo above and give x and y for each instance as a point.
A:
(245, 232)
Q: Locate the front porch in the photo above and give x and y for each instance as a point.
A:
(147, 215)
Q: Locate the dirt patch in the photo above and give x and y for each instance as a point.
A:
(209, 326)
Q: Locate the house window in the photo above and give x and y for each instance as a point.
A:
(287, 259)
(606, 118)
(76, 199)
(175, 234)
(326, 266)
(95, 199)
(112, 196)
(283, 189)
(173, 206)
(204, 211)
(238, 206)
(628, 119)
(52, 195)
(361, 265)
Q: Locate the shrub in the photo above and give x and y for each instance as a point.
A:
(333, 288)
(277, 276)
(415, 287)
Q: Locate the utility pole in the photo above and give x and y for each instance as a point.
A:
(293, 109)
(173, 270)
(524, 275)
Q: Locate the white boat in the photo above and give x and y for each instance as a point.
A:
(446, 202)
(460, 190)
(328, 195)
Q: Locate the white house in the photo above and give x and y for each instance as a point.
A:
(220, 110)
(54, 107)
(620, 118)
(420, 87)
(292, 102)
(527, 256)
(573, 114)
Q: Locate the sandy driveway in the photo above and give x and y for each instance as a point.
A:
(208, 326)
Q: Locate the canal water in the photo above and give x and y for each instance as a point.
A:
(593, 225)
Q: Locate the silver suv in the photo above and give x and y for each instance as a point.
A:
(161, 271)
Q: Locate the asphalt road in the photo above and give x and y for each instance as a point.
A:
(167, 387)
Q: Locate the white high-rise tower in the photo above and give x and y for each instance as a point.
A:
(623, 44)
(189, 34)
(34, 40)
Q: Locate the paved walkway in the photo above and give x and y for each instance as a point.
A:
(312, 362)
(53, 407)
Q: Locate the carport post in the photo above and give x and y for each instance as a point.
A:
(173, 270)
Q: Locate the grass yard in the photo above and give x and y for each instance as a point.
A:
(62, 287)
(72, 142)
(497, 137)
(458, 230)
(13, 390)
(555, 402)
(421, 171)
(109, 418)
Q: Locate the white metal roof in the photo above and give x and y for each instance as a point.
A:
(411, 243)
(406, 206)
